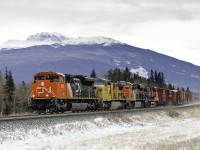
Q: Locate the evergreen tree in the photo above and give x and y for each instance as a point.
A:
(161, 80)
(151, 78)
(9, 86)
(9, 89)
(170, 87)
(1, 95)
(93, 74)
(156, 78)
(22, 93)
(118, 75)
(188, 90)
(126, 74)
(109, 74)
(183, 89)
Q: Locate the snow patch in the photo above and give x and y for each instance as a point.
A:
(118, 62)
(140, 71)
(178, 72)
(195, 76)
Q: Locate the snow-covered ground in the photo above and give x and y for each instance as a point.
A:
(166, 129)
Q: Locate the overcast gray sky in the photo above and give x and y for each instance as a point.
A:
(170, 27)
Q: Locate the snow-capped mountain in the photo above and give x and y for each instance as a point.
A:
(45, 38)
(50, 37)
(81, 55)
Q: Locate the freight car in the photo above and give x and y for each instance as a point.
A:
(175, 97)
(56, 92)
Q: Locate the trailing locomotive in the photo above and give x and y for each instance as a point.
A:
(56, 92)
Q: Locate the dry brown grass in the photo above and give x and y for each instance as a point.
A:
(21, 114)
(173, 113)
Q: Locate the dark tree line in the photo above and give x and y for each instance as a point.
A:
(7, 92)
(93, 74)
(155, 78)
(13, 98)
(117, 74)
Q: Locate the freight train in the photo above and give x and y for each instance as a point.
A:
(56, 92)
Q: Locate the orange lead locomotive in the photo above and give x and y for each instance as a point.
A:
(56, 92)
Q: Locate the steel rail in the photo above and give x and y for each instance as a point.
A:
(70, 113)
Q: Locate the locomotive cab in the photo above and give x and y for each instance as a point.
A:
(48, 85)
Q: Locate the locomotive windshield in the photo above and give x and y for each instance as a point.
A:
(39, 77)
(101, 81)
(52, 78)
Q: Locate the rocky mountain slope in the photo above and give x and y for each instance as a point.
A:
(81, 55)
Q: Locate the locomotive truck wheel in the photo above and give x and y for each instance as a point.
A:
(148, 104)
(32, 110)
(57, 110)
(144, 104)
(39, 112)
(52, 109)
(156, 105)
(62, 110)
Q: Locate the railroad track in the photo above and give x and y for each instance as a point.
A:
(70, 113)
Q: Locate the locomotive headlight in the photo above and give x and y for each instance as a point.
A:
(42, 83)
(33, 96)
(47, 95)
